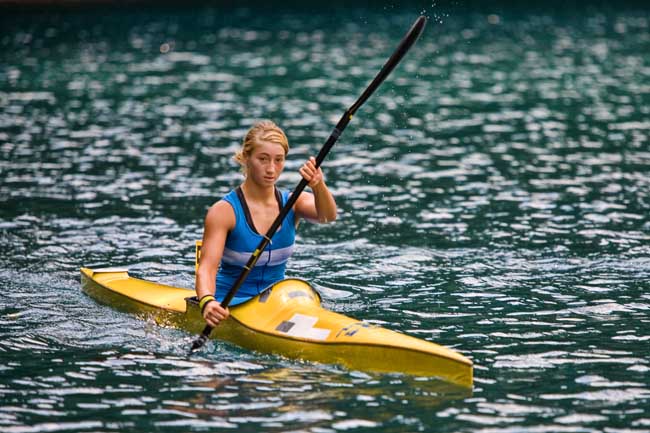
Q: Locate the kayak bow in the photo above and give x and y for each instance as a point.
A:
(286, 319)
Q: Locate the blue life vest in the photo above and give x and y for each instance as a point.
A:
(243, 240)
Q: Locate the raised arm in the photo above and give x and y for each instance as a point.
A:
(319, 207)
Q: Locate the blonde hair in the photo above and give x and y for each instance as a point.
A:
(264, 130)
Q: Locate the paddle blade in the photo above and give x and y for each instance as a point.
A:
(404, 46)
(200, 342)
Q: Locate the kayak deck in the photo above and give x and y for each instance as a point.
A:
(285, 319)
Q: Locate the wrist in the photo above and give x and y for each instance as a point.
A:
(319, 185)
(205, 300)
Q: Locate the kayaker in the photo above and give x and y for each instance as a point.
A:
(235, 224)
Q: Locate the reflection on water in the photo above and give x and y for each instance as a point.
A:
(493, 196)
(118, 390)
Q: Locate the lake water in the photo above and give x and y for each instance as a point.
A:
(494, 198)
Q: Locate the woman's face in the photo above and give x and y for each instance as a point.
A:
(265, 163)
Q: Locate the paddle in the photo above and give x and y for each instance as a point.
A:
(403, 47)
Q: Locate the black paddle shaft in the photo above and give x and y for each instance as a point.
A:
(403, 47)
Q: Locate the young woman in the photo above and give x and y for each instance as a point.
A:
(235, 224)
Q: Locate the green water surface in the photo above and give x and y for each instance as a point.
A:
(493, 196)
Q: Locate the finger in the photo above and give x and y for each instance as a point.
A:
(306, 174)
(213, 314)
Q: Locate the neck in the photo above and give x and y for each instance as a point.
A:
(256, 192)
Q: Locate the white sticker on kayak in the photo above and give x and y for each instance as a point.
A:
(110, 270)
(302, 326)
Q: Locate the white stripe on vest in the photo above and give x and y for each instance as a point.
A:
(267, 258)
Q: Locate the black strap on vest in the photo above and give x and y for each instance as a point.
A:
(247, 212)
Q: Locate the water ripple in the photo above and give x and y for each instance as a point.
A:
(493, 197)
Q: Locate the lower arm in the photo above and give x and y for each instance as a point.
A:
(205, 282)
(325, 204)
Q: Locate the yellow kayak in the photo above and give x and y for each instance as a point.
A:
(285, 319)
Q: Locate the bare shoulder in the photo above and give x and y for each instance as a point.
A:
(306, 198)
(305, 207)
(221, 215)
